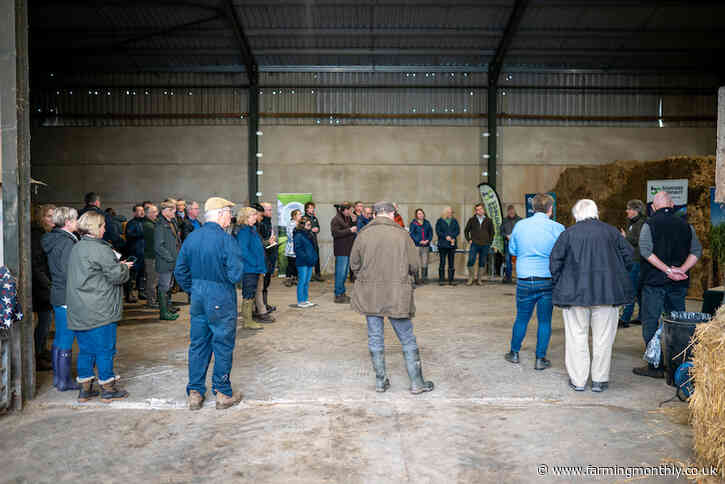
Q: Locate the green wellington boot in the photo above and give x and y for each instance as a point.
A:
(164, 314)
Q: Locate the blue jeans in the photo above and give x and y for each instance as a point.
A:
(165, 281)
(304, 275)
(249, 285)
(403, 329)
(481, 251)
(529, 294)
(657, 300)
(629, 308)
(508, 267)
(63, 336)
(342, 263)
(97, 347)
(41, 331)
(213, 331)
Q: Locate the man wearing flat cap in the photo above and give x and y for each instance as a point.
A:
(384, 260)
(208, 267)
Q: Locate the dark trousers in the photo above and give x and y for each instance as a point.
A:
(291, 266)
(249, 285)
(271, 264)
(657, 300)
(41, 331)
(317, 264)
(446, 255)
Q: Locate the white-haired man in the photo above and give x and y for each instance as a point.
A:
(208, 267)
(669, 248)
(589, 266)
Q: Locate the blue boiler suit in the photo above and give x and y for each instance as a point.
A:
(208, 267)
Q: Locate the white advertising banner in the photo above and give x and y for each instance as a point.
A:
(676, 188)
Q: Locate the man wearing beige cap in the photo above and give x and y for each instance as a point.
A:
(208, 268)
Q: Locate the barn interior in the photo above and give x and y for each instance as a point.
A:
(414, 101)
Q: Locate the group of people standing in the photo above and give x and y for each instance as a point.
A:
(592, 269)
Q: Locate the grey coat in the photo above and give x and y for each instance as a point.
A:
(166, 244)
(93, 290)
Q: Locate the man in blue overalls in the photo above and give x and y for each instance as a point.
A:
(208, 267)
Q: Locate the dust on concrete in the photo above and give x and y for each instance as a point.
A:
(311, 413)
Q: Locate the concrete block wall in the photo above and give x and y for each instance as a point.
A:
(127, 165)
(417, 166)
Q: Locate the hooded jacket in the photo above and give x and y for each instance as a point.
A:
(94, 292)
(57, 246)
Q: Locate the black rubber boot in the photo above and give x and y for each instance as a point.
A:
(65, 378)
(54, 360)
(441, 275)
(425, 275)
(382, 382)
(451, 277)
(129, 294)
(267, 305)
(415, 372)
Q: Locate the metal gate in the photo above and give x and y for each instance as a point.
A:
(4, 368)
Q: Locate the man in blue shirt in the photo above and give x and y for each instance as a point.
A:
(208, 267)
(531, 243)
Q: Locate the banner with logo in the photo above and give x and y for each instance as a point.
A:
(492, 204)
(530, 205)
(677, 190)
(286, 203)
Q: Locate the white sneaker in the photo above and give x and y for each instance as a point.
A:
(309, 304)
(302, 305)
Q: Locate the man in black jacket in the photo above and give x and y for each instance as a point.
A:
(589, 267)
(269, 240)
(507, 228)
(310, 213)
(135, 247)
(635, 219)
(669, 248)
(182, 220)
(112, 235)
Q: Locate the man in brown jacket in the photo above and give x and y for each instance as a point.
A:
(343, 231)
(384, 260)
(479, 232)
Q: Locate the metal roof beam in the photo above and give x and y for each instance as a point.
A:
(244, 49)
(517, 14)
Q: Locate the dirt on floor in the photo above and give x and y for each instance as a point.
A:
(311, 414)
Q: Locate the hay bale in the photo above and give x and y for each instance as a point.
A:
(613, 184)
(707, 403)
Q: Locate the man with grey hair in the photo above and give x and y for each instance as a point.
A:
(385, 261)
(636, 217)
(208, 268)
(669, 248)
(589, 267)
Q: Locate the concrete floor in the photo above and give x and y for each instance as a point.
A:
(310, 412)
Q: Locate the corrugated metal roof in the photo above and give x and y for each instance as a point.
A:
(185, 35)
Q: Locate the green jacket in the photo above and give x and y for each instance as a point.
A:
(166, 244)
(93, 289)
(148, 237)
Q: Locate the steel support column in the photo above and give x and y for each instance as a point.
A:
(492, 135)
(253, 141)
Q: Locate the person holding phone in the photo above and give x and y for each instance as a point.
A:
(94, 296)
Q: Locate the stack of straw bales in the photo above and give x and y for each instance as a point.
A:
(707, 403)
(613, 184)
